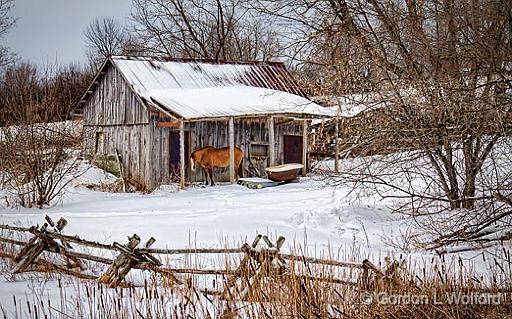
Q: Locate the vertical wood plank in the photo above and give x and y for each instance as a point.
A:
(182, 155)
(271, 142)
(304, 147)
(231, 150)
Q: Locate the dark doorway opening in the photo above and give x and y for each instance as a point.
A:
(292, 149)
(174, 155)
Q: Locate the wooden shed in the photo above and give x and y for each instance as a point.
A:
(155, 112)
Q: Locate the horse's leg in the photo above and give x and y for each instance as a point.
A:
(211, 177)
(205, 172)
(240, 170)
(237, 175)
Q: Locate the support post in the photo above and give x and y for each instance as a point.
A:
(304, 147)
(231, 150)
(182, 155)
(336, 146)
(271, 142)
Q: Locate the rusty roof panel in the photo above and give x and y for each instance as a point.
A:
(147, 74)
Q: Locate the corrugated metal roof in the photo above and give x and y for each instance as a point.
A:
(224, 101)
(150, 74)
(193, 89)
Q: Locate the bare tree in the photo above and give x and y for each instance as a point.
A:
(6, 22)
(69, 84)
(105, 37)
(211, 29)
(440, 75)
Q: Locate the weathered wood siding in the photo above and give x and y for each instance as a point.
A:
(114, 103)
(131, 142)
(158, 147)
(116, 112)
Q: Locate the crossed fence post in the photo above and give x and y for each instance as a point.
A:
(253, 268)
(40, 242)
(44, 240)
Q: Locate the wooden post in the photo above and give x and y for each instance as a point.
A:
(109, 277)
(304, 147)
(182, 155)
(127, 266)
(251, 272)
(271, 142)
(336, 146)
(231, 150)
(121, 173)
(36, 245)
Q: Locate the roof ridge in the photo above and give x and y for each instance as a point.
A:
(199, 60)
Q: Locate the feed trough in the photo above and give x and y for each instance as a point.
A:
(285, 172)
(257, 183)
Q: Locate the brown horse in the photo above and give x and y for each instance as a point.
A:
(209, 157)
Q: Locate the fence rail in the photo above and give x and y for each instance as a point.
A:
(256, 262)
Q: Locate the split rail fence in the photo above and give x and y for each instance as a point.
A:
(255, 263)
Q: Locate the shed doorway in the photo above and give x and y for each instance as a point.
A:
(174, 155)
(292, 149)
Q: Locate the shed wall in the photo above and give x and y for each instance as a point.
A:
(132, 144)
(118, 114)
(114, 103)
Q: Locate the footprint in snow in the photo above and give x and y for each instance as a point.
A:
(221, 196)
(314, 219)
(341, 229)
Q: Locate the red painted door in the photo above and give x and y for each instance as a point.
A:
(292, 149)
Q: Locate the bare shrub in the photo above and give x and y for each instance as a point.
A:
(38, 162)
(6, 23)
(37, 159)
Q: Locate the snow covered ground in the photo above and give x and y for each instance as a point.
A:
(306, 213)
(321, 219)
(217, 216)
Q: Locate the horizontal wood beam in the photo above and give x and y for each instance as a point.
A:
(277, 123)
(294, 116)
(168, 124)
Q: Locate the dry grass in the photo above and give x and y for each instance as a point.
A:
(298, 290)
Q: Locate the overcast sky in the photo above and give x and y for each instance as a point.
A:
(51, 30)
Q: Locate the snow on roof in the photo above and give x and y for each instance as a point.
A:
(193, 89)
(351, 105)
(234, 101)
(152, 74)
